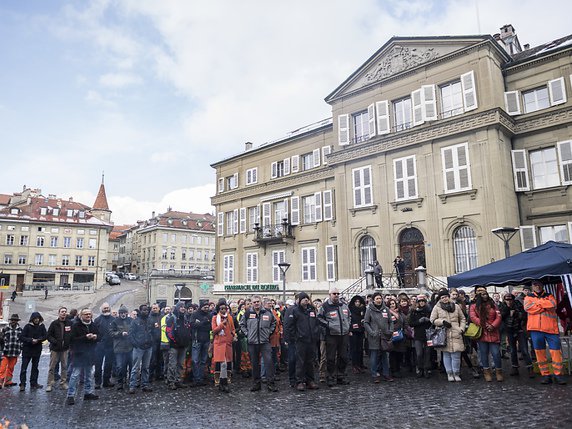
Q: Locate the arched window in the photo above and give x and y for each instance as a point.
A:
(465, 249)
(367, 252)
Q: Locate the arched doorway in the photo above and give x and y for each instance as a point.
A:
(367, 253)
(412, 250)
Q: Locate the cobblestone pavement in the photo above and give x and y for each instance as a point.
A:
(405, 403)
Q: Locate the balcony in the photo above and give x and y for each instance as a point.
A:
(273, 234)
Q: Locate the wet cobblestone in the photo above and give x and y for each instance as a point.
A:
(406, 403)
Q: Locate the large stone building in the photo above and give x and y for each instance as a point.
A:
(433, 143)
(51, 242)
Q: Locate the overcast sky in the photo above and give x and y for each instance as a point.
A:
(154, 91)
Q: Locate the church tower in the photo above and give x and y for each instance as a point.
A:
(100, 207)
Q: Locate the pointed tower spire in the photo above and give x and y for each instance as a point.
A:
(100, 207)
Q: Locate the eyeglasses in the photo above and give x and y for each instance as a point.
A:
(334, 293)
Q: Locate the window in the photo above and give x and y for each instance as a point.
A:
(23, 240)
(65, 260)
(402, 109)
(232, 181)
(14, 211)
(309, 207)
(183, 253)
(43, 211)
(232, 222)
(91, 261)
(199, 255)
(67, 241)
(191, 254)
(25, 228)
(39, 259)
(81, 214)
(7, 259)
(544, 168)
(557, 233)
(206, 256)
(56, 212)
(278, 256)
(173, 255)
(200, 239)
(536, 99)
(277, 169)
(251, 267)
(361, 126)
(456, 175)
(165, 238)
(40, 241)
(53, 241)
(78, 260)
(228, 268)
(92, 243)
(331, 263)
(9, 239)
(221, 184)
(69, 213)
(368, 252)
(451, 99)
(92, 232)
(253, 217)
(164, 253)
(21, 259)
(79, 243)
(308, 264)
(405, 178)
(52, 260)
(251, 176)
(362, 187)
(465, 249)
(307, 161)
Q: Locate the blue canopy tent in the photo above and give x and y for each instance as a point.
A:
(549, 259)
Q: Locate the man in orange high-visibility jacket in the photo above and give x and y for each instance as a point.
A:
(542, 326)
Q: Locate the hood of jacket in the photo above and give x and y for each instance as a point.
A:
(35, 315)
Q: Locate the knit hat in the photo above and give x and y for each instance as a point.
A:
(442, 292)
(203, 302)
(303, 295)
(123, 309)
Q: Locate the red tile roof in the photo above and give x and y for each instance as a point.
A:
(184, 220)
(5, 199)
(101, 199)
(118, 230)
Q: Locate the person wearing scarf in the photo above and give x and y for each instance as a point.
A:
(224, 334)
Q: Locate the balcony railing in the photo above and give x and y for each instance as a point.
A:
(275, 233)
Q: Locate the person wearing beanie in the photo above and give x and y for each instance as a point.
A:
(12, 346)
(449, 316)
(201, 326)
(224, 334)
(33, 335)
(122, 347)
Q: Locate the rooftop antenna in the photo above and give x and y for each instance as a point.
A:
(478, 17)
(102, 177)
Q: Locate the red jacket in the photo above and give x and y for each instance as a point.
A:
(493, 318)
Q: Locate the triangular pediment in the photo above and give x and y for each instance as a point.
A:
(402, 54)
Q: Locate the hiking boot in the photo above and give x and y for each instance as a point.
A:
(499, 375)
(488, 374)
(513, 371)
(312, 386)
(546, 379)
(301, 387)
(49, 388)
(70, 400)
(256, 387)
(90, 397)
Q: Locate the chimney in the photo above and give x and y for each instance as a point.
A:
(153, 214)
(247, 146)
(526, 46)
(509, 39)
(71, 200)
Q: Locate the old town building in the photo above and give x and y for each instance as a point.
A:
(433, 143)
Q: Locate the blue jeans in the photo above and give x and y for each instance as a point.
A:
(87, 372)
(199, 355)
(141, 360)
(494, 349)
(378, 363)
(122, 362)
(539, 340)
(292, 362)
(452, 362)
(514, 338)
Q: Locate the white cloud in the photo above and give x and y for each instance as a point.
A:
(163, 157)
(119, 80)
(95, 98)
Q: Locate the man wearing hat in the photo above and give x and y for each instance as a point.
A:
(201, 327)
(122, 347)
(10, 337)
(542, 326)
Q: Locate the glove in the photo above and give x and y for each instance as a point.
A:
(447, 324)
(424, 320)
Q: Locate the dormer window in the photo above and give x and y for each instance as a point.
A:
(69, 213)
(81, 214)
(14, 211)
(56, 212)
(43, 211)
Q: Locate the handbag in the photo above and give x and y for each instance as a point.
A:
(436, 337)
(386, 345)
(474, 331)
(397, 336)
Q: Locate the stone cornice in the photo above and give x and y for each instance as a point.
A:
(549, 118)
(277, 185)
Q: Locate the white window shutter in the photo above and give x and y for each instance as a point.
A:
(295, 167)
(371, 119)
(357, 187)
(368, 198)
(398, 175)
(221, 184)
(469, 91)
(286, 166)
(512, 102)
(557, 91)
(329, 206)
(220, 224)
(255, 175)
(448, 166)
(411, 177)
(286, 212)
(382, 108)
(330, 263)
(295, 210)
(266, 215)
(257, 217)
(429, 103)
(527, 237)
(520, 170)
(343, 129)
(274, 170)
(235, 180)
(569, 232)
(565, 156)
(255, 267)
(417, 107)
(235, 221)
(326, 150)
(316, 156)
(318, 206)
(242, 220)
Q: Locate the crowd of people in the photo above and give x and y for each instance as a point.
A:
(312, 342)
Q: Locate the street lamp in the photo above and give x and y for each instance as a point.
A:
(505, 233)
(179, 286)
(283, 268)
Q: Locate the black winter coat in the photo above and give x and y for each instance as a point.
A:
(59, 335)
(201, 325)
(103, 324)
(420, 327)
(83, 349)
(121, 343)
(33, 332)
(302, 325)
(141, 333)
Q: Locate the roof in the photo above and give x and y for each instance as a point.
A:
(5, 199)
(119, 230)
(183, 220)
(101, 199)
(541, 50)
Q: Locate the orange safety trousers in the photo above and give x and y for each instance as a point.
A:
(7, 368)
(541, 359)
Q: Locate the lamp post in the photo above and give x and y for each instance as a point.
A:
(179, 286)
(283, 268)
(505, 233)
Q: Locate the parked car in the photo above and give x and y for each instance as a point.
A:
(114, 280)
(130, 276)
(121, 275)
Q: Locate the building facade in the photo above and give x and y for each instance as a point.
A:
(433, 142)
(48, 242)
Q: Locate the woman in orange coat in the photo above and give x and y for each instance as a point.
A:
(224, 334)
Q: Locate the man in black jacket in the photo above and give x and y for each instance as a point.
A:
(419, 321)
(156, 365)
(84, 337)
(201, 324)
(33, 334)
(104, 351)
(178, 331)
(141, 337)
(514, 319)
(304, 329)
(122, 347)
(59, 336)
